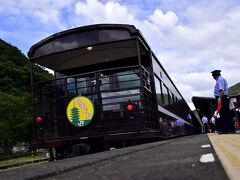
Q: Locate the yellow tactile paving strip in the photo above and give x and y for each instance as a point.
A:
(227, 147)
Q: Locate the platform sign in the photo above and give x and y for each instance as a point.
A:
(80, 111)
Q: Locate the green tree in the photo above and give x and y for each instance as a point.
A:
(15, 95)
(234, 89)
(15, 121)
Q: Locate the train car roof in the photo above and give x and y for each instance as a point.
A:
(55, 50)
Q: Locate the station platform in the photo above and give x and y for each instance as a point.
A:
(202, 156)
(227, 148)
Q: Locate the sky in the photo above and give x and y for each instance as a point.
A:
(190, 37)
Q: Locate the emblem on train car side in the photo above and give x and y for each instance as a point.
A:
(80, 111)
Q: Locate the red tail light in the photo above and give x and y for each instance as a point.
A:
(130, 107)
(38, 119)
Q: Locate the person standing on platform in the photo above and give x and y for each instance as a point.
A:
(188, 128)
(225, 124)
(205, 124)
(189, 117)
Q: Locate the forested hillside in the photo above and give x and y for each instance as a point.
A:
(15, 96)
(234, 89)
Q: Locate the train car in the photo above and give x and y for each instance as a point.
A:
(108, 88)
(208, 105)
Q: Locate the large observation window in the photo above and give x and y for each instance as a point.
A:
(158, 70)
(81, 39)
(165, 94)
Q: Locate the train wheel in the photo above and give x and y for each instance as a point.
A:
(59, 152)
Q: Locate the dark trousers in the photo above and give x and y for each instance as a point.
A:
(225, 123)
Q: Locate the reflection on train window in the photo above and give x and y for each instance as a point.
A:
(80, 39)
(128, 79)
(156, 67)
(170, 98)
(111, 35)
(165, 95)
(112, 100)
(71, 86)
(105, 83)
(111, 107)
(121, 99)
(173, 98)
(176, 99)
(82, 85)
(128, 94)
(158, 91)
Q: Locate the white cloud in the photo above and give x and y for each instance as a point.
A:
(164, 21)
(50, 16)
(98, 12)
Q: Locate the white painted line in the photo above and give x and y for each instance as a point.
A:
(206, 146)
(206, 158)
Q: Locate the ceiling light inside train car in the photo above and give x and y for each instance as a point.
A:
(89, 48)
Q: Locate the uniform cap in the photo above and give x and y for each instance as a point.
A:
(216, 72)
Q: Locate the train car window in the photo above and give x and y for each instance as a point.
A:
(127, 93)
(176, 99)
(156, 67)
(173, 98)
(58, 75)
(134, 97)
(81, 39)
(160, 73)
(60, 86)
(112, 100)
(165, 95)
(169, 84)
(111, 107)
(71, 86)
(158, 91)
(113, 82)
(163, 76)
(105, 83)
(167, 98)
(169, 92)
(128, 79)
(112, 35)
(82, 85)
(170, 97)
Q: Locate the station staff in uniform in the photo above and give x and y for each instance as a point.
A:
(225, 124)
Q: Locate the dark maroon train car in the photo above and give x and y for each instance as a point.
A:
(109, 87)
